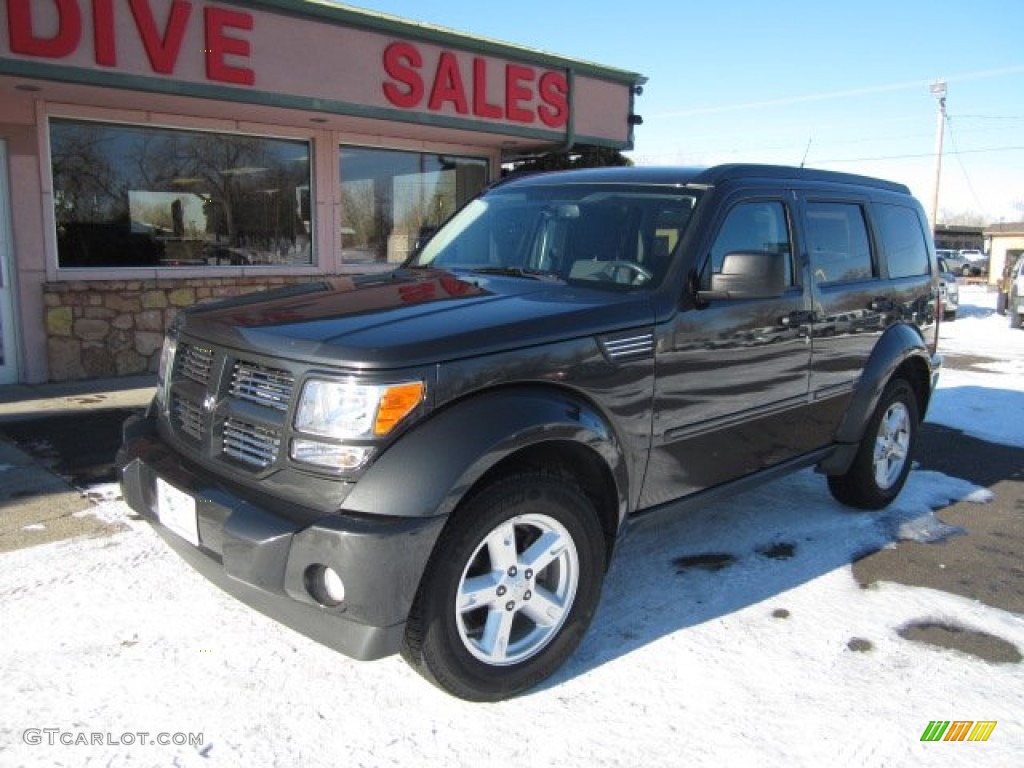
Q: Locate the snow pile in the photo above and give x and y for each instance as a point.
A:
(986, 406)
(734, 636)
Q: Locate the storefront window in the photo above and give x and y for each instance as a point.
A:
(392, 199)
(133, 196)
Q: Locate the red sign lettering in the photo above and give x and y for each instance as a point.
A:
(103, 32)
(401, 60)
(481, 107)
(448, 86)
(163, 40)
(517, 93)
(554, 92)
(219, 44)
(162, 52)
(23, 36)
(525, 99)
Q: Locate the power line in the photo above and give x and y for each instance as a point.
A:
(785, 101)
(959, 159)
(918, 155)
(822, 142)
(992, 117)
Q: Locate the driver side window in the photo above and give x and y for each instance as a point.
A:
(760, 226)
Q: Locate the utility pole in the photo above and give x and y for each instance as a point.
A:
(938, 89)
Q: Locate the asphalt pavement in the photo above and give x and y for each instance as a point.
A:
(57, 441)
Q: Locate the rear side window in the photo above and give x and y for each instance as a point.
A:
(905, 247)
(839, 244)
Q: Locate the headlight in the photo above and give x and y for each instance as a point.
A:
(345, 410)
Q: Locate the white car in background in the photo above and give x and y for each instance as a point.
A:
(948, 289)
(1015, 295)
(954, 261)
(975, 262)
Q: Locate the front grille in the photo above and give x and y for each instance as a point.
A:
(195, 363)
(262, 385)
(188, 416)
(230, 407)
(250, 443)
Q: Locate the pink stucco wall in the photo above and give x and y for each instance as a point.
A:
(270, 53)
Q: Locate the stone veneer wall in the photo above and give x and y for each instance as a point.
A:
(101, 328)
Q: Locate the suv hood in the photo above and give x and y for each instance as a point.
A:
(412, 317)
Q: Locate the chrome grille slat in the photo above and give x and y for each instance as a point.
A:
(195, 363)
(250, 443)
(189, 416)
(262, 385)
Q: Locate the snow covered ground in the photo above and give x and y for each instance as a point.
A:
(776, 658)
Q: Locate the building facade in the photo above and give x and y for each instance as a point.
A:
(1004, 244)
(159, 153)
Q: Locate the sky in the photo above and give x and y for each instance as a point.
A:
(772, 660)
(833, 85)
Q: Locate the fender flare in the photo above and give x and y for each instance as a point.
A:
(428, 470)
(897, 345)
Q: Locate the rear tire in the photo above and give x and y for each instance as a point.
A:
(883, 459)
(510, 590)
(1015, 317)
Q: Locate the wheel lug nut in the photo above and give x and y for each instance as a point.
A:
(529, 573)
(512, 571)
(510, 605)
(527, 595)
(501, 591)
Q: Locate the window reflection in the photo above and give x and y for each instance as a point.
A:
(132, 196)
(392, 199)
(838, 237)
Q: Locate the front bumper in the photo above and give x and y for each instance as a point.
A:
(263, 558)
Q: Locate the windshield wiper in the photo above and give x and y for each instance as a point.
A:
(532, 274)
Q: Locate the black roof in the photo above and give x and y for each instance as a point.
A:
(698, 176)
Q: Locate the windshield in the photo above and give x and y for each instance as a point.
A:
(606, 235)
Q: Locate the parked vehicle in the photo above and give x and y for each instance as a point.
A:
(949, 291)
(975, 262)
(1015, 295)
(441, 460)
(954, 261)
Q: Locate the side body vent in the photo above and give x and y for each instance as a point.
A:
(628, 346)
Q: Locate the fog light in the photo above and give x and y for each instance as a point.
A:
(333, 585)
(329, 455)
(324, 585)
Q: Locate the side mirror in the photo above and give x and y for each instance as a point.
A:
(748, 275)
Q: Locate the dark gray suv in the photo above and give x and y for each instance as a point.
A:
(440, 460)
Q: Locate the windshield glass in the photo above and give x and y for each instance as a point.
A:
(606, 235)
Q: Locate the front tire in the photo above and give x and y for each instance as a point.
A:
(511, 589)
(883, 459)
